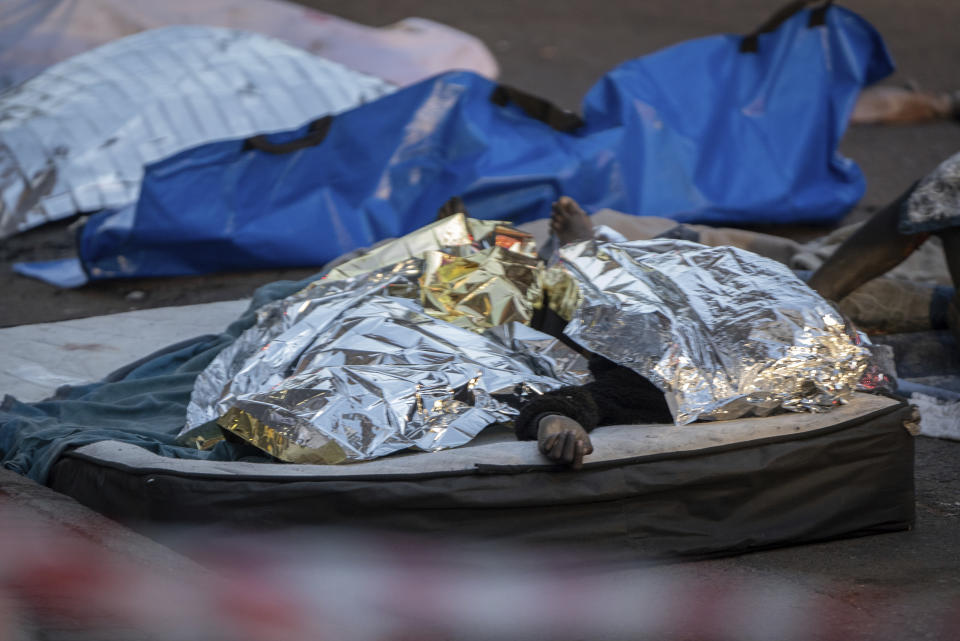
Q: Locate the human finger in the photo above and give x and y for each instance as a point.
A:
(547, 443)
(577, 462)
(569, 447)
(556, 452)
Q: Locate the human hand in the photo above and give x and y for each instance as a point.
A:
(563, 440)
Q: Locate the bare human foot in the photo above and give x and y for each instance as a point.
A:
(898, 106)
(568, 222)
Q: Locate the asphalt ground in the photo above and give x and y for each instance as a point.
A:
(557, 50)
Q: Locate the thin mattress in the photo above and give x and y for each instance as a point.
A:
(647, 491)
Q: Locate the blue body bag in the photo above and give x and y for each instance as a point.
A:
(699, 132)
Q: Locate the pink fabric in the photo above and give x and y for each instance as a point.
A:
(35, 34)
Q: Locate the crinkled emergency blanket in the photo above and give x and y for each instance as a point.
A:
(723, 332)
(354, 367)
(423, 342)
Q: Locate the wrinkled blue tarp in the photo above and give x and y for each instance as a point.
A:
(698, 132)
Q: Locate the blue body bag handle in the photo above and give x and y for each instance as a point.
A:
(316, 133)
(818, 18)
(537, 108)
(533, 106)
